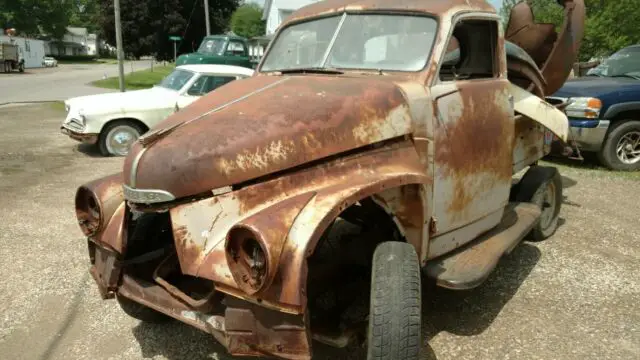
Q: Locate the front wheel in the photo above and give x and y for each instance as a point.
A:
(621, 148)
(542, 186)
(117, 138)
(395, 314)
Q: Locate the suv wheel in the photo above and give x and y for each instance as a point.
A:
(621, 148)
(395, 314)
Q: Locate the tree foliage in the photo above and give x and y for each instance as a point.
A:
(609, 26)
(147, 24)
(247, 21)
(34, 17)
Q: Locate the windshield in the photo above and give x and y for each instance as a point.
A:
(212, 46)
(176, 80)
(625, 62)
(363, 41)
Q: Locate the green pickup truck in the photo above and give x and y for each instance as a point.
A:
(220, 49)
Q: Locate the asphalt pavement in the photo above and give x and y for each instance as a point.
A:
(59, 83)
(572, 297)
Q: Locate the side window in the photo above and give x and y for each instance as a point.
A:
(206, 84)
(236, 48)
(471, 52)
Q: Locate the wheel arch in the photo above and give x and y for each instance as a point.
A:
(132, 120)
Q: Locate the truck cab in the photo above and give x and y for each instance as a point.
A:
(219, 49)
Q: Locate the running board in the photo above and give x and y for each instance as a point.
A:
(469, 266)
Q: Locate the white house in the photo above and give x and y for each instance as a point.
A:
(31, 50)
(77, 41)
(276, 11)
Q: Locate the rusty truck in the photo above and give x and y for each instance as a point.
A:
(380, 145)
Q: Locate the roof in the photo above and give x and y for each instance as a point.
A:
(225, 36)
(217, 69)
(435, 7)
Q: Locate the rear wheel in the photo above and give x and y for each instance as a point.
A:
(117, 138)
(395, 315)
(621, 148)
(141, 312)
(543, 187)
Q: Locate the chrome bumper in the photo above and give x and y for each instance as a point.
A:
(589, 138)
(85, 138)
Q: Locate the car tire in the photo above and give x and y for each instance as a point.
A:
(128, 129)
(618, 136)
(141, 312)
(542, 186)
(395, 312)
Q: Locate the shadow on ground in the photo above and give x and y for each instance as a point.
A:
(463, 313)
(89, 150)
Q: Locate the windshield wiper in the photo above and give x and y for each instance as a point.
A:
(313, 70)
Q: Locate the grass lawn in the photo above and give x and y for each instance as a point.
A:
(88, 62)
(137, 80)
(57, 105)
(589, 167)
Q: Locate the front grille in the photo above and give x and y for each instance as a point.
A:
(75, 125)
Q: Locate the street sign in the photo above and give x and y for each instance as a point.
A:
(175, 38)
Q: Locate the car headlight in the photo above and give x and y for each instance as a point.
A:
(247, 259)
(67, 107)
(584, 107)
(88, 211)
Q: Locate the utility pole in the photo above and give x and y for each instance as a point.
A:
(120, 50)
(206, 15)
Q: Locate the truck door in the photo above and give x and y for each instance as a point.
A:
(473, 136)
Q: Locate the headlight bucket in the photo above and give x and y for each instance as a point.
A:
(247, 258)
(584, 108)
(88, 211)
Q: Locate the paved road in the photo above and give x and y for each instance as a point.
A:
(573, 297)
(58, 83)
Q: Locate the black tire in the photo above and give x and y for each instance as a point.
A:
(21, 67)
(542, 185)
(104, 134)
(608, 154)
(395, 313)
(141, 312)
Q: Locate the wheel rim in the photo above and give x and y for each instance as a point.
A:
(120, 139)
(628, 148)
(548, 206)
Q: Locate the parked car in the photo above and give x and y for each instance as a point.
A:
(49, 61)
(604, 110)
(114, 121)
(231, 214)
(220, 49)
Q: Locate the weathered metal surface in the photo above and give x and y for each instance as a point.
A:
(470, 265)
(302, 119)
(541, 111)
(474, 143)
(554, 53)
(529, 142)
(200, 228)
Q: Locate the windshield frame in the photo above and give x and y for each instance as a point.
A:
(342, 16)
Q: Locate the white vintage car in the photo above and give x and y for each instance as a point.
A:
(114, 121)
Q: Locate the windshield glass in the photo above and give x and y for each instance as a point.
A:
(212, 46)
(176, 80)
(363, 41)
(625, 62)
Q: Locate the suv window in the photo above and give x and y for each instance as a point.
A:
(472, 51)
(208, 83)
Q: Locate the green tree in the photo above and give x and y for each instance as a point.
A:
(247, 21)
(85, 13)
(34, 17)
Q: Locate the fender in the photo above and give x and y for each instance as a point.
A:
(289, 214)
(616, 109)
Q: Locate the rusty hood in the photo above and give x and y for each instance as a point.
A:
(264, 124)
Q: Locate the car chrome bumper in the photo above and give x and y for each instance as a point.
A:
(84, 138)
(588, 134)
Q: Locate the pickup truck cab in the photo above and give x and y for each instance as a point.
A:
(379, 143)
(604, 110)
(219, 49)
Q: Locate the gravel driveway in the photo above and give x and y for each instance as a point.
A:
(574, 296)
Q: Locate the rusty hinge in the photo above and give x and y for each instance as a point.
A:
(433, 226)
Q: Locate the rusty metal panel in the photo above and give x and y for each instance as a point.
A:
(200, 228)
(473, 160)
(529, 143)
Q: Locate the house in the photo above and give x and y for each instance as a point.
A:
(276, 11)
(31, 50)
(77, 41)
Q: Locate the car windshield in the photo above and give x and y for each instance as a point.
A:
(176, 80)
(212, 46)
(363, 41)
(624, 63)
